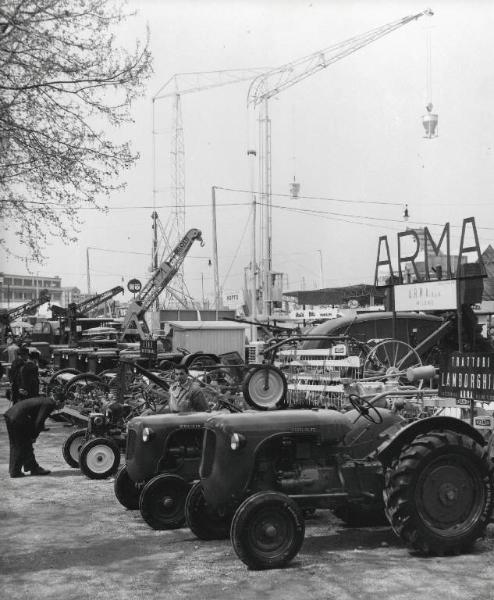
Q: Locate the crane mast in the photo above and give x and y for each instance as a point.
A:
(14, 313)
(173, 89)
(134, 319)
(271, 83)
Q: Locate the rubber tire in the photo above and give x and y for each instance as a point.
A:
(126, 492)
(153, 495)
(89, 447)
(250, 519)
(408, 503)
(253, 384)
(66, 448)
(201, 520)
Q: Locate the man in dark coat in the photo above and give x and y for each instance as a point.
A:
(15, 374)
(25, 420)
(30, 377)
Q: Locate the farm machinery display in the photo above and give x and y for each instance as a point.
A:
(259, 471)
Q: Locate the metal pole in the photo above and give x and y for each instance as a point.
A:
(320, 269)
(267, 200)
(88, 276)
(215, 252)
(253, 268)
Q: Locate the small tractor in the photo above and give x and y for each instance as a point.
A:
(163, 453)
(259, 472)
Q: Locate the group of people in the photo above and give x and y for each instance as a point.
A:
(25, 419)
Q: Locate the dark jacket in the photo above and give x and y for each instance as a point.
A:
(30, 379)
(30, 414)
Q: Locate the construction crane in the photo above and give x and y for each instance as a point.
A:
(80, 309)
(177, 86)
(7, 317)
(134, 323)
(271, 83)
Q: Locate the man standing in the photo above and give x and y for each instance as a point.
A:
(185, 394)
(25, 420)
(30, 377)
(15, 374)
(12, 350)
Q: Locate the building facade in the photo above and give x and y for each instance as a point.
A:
(19, 289)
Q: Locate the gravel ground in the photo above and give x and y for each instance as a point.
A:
(66, 537)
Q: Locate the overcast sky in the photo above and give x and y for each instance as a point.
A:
(351, 132)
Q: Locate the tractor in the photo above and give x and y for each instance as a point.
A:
(431, 479)
(163, 453)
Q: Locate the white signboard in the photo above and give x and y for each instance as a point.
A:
(428, 295)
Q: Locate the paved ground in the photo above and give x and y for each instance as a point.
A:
(66, 537)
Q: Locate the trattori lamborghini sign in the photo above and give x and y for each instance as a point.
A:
(468, 377)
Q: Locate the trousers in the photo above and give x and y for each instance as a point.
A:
(21, 446)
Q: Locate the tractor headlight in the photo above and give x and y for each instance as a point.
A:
(147, 434)
(237, 441)
(98, 421)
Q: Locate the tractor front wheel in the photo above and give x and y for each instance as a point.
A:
(72, 447)
(268, 530)
(201, 519)
(126, 491)
(439, 493)
(162, 502)
(99, 458)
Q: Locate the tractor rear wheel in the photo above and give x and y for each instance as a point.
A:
(201, 520)
(99, 458)
(72, 447)
(162, 502)
(439, 493)
(126, 491)
(268, 530)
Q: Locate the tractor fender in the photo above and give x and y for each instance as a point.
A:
(391, 448)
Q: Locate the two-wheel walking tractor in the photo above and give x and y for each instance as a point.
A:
(96, 450)
(259, 472)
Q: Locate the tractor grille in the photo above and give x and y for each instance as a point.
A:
(131, 444)
(208, 451)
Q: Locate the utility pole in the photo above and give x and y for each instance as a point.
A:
(88, 276)
(217, 304)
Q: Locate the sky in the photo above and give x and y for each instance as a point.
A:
(351, 135)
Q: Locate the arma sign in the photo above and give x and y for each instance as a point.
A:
(468, 377)
(427, 248)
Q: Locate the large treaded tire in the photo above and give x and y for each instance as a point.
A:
(126, 491)
(201, 520)
(268, 530)
(439, 493)
(72, 447)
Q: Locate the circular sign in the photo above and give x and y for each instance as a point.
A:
(353, 303)
(134, 286)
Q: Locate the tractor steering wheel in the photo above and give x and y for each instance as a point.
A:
(365, 409)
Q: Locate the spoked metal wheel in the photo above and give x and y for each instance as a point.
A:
(268, 530)
(389, 361)
(72, 447)
(99, 458)
(86, 391)
(162, 502)
(265, 387)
